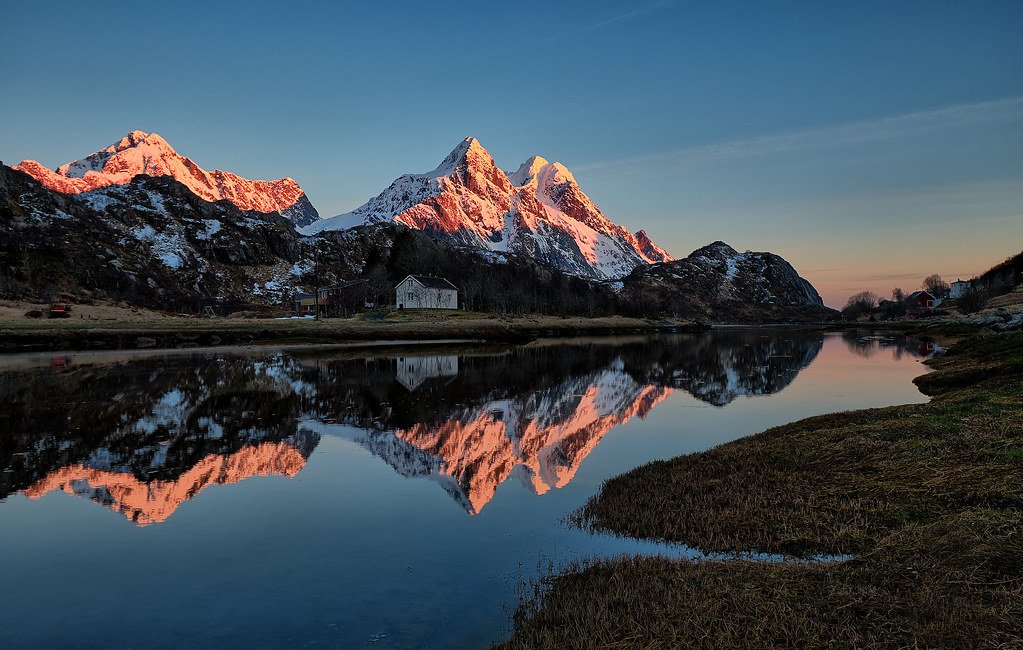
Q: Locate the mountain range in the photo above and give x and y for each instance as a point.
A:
(137, 221)
(539, 210)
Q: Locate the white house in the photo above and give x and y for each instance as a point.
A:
(425, 292)
(958, 289)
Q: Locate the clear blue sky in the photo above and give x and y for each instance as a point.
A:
(869, 143)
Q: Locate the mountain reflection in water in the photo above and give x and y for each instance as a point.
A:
(143, 434)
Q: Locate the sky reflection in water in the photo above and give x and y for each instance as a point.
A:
(405, 492)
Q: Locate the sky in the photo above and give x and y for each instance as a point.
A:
(869, 143)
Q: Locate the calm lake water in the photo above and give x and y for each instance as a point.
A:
(338, 498)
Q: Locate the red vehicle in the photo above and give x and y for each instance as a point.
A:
(60, 310)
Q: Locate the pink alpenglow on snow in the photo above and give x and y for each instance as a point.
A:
(538, 211)
(147, 153)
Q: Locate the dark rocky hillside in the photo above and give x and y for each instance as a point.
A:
(154, 243)
(717, 283)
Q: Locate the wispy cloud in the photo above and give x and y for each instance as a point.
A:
(611, 20)
(886, 128)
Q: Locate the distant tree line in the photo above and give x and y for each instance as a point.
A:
(999, 280)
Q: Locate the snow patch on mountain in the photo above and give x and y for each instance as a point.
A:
(168, 247)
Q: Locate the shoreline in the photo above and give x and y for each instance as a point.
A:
(50, 336)
(927, 498)
(17, 337)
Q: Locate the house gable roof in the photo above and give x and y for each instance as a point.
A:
(429, 282)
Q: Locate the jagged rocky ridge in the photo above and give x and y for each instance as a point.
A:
(148, 242)
(538, 211)
(147, 153)
(717, 282)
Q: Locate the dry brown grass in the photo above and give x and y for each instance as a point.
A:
(952, 583)
(930, 496)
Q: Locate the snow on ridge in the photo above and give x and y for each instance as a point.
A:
(147, 153)
(527, 171)
(538, 211)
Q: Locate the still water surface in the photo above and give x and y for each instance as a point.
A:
(339, 498)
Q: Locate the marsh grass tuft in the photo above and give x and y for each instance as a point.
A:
(951, 583)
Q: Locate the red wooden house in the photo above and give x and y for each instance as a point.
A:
(920, 301)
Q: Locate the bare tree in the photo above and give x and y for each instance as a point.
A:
(860, 303)
(934, 285)
(472, 288)
(898, 295)
(378, 287)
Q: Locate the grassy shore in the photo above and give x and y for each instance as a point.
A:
(72, 334)
(929, 499)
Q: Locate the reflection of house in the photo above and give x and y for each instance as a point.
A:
(414, 371)
(425, 292)
(958, 289)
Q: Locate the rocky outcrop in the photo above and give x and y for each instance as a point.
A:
(717, 283)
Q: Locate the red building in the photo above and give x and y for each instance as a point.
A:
(920, 301)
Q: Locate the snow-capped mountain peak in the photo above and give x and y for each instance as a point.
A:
(96, 161)
(140, 152)
(555, 174)
(527, 171)
(538, 211)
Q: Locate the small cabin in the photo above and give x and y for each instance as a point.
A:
(305, 304)
(336, 300)
(425, 292)
(919, 301)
